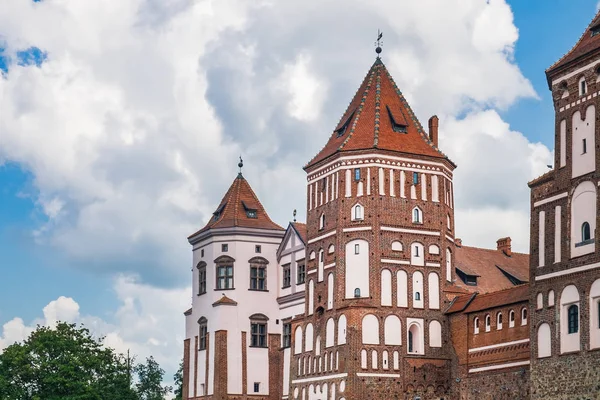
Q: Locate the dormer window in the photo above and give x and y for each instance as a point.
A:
(219, 211)
(396, 126)
(342, 129)
(250, 212)
(595, 30)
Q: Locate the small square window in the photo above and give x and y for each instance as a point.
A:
(357, 249)
(251, 213)
(256, 387)
(224, 247)
(257, 248)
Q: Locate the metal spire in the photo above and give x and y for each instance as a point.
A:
(379, 43)
(240, 165)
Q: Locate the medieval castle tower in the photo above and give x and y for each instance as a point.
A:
(376, 298)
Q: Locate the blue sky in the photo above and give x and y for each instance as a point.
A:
(58, 239)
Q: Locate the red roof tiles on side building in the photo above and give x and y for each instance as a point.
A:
(379, 117)
(301, 230)
(587, 43)
(240, 208)
(478, 302)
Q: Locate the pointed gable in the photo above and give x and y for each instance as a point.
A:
(240, 208)
(378, 117)
(588, 43)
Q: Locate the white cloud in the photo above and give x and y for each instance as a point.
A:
(133, 124)
(148, 321)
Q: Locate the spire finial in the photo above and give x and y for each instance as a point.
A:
(240, 165)
(379, 43)
(294, 215)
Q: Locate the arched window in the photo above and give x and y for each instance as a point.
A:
(258, 330)
(433, 249)
(396, 246)
(488, 323)
(417, 296)
(357, 292)
(309, 337)
(341, 338)
(298, 340)
(585, 232)
(358, 213)
(544, 341)
(524, 316)
(582, 86)
(417, 281)
(322, 221)
(476, 325)
(416, 254)
(202, 333)
(329, 333)
(540, 301)
(224, 266)
(573, 315)
(551, 298)
(392, 331)
(370, 329)
(417, 216)
(448, 265)
(415, 339)
(511, 319)
(435, 334)
(499, 321)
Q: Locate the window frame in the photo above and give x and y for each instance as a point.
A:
(286, 335)
(476, 326)
(227, 264)
(524, 316)
(488, 323)
(259, 333)
(287, 276)
(201, 278)
(572, 319)
(300, 274)
(356, 174)
(415, 178)
(202, 333)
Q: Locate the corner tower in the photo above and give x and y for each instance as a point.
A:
(565, 256)
(380, 241)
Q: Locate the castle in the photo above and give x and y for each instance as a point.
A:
(376, 298)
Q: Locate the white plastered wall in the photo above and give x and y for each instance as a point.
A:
(563, 143)
(435, 334)
(544, 341)
(330, 333)
(402, 290)
(357, 268)
(569, 342)
(342, 322)
(417, 256)
(434, 291)
(392, 331)
(386, 287)
(583, 209)
(370, 329)
(417, 284)
(595, 315)
(582, 163)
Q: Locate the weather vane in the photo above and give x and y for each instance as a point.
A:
(378, 43)
(294, 215)
(241, 164)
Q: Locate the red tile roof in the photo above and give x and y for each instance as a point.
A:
(585, 45)
(487, 265)
(233, 209)
(301, 230)
(477, 302)
(225, 301)
(369, 121)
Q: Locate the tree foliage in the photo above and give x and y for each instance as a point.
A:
(178, 380)
(68, 363)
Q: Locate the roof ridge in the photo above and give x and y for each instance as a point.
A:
(576, 43)
(413, 116)
(359, 108)
(377, 106)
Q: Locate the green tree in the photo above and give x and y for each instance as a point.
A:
(65, 363)
(149, 384)
(178, 379)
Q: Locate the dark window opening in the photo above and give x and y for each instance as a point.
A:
(202, 253)
(203, 331)
(258, 334)
(410, 341)
(301, 275)
(573, 317)
(224, 248)
(583, 88)
(202, 279)
(287, 278)
(342, 129)
(415, 178)
(256, 387)
(219, 211)
(396, 126)
(287, 335)
(585, 231)
(257, 249)
(357, 249)
(357, 292)
(357, 174)
(225, 277)
(258, 278)
(584, 146)
(595, 30)
(417, 296)
(468, 279)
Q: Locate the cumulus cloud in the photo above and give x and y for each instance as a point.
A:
(148, 321)
(132, 123)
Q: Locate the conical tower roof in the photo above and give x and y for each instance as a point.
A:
(240, 208)
(379, 117)
(588, 43)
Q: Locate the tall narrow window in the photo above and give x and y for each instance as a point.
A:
(202, 332)
(256, 387)
(584, 146)
(417, 296)
(499, 321)
(573, 315)
(417, 216)
(586, 233)
(287, 335)
(287, 277)
(201, 278)
(488, 324)
(322, 221)
(583, 88)
(476, 326)
(357, 174)
(301, 274)
(356, 248)
(258, 330)
(410, 341)
(524, 316)
(415, 178)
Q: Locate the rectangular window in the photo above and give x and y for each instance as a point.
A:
(224, 247)
(321, 256)
(357, 249)
(584, 146)
(287, 277)
(202, 337)
(323, 184)
(357, 174)
(415, 178)
(201, 280)
(258, 334)
(225, 277)
(287, 335)
(202, 253)
(301, 274)
(258, 279)
(256, 387)
(257, 248)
